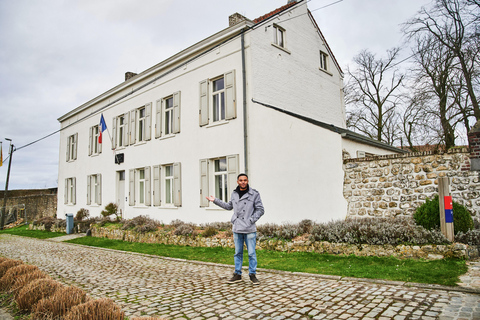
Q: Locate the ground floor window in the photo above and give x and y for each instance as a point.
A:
(218, 177)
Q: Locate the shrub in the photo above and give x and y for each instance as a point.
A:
(48, 222)
(428, 216)
(2, 259)
(186, 229)
(13, 273)
(82, 214)
(111, 209)
(306, 226)
(4, 266)
(23, 280)
(101, 309)
(471, 237)
(177, 222)
(35, 291)
(221, 226)
(141, 224)
(84, 225)
(59, 304)
(209, 232)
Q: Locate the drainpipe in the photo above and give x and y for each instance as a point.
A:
(244, 83)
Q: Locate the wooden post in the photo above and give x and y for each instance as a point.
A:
(445, 204)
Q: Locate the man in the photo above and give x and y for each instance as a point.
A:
(247, 209)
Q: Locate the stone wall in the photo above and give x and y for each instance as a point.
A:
(392, 185)
(429, 252)
(38, 202)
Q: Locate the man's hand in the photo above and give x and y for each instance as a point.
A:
(211, 198)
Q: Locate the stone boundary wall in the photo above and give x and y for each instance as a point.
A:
(392, 185)
(38, 202)
(429, 252)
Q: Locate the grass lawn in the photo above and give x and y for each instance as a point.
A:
(444, 272)
(39, 234)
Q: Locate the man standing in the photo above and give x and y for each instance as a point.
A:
(247, 209)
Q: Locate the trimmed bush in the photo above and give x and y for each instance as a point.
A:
(141, 224)
(101, 309)
(23, 280)
(428, 216)
(36, 291)
(4, 266)
(471, 237)
(59, 304)
(12, 274)
(186, 229)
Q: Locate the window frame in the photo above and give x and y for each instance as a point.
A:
(94, 148)
(207, 178)
(94, 189)
(324, 61)
(134, 187)
(206, 98)
(70, 191)
(276, 31)
(72, 142)
(217, 111)
(160, 185)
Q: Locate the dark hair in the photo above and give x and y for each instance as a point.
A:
(241, 174)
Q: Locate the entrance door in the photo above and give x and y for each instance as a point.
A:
(121, 192)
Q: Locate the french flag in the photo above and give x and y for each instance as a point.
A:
(103, 127)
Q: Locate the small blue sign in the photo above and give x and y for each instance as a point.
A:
(448, 215)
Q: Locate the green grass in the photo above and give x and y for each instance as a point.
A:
(39, 234)
(443, 272)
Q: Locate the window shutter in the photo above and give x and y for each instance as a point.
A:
(148, 121)
(158, 119)
(176, 112)
(131, 189)
(103, 139)
(90, 141)
(74, 191)
(157, 198)
(203, 183)
(126, 132)
(232, 172)
(230, 102)
(89, 190)
(75, 143)
(114, 133)
(148, 187)
(203, 112)
(177, 184)
(99, 190)
(68, 149)
(133, 133)
(65, 196)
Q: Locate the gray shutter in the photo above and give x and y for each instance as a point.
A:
(232, 172)
(89, 190)
(65, 196)
(90, 140)
(126, 132)
(177, 184)
(74, 191)
(157, 198)
(99, 190)
(75, 143)
(230, 102)
(68, 148)
(133, 132)
(148, 187)
(148, 121)
(158, 119)
(203, 112)
(104, 138)
(114, 133)
(131, 189)
(176, 112)
(203, 183)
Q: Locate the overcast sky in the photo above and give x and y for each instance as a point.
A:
(57, 54)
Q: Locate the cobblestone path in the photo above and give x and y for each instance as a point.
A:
(177, 289)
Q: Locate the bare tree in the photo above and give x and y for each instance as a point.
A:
(372, 96)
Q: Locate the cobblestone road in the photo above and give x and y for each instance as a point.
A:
(177, 289)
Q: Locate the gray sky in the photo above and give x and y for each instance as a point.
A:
(57, 54)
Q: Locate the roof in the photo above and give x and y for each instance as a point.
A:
(345, 133)
(274, 12)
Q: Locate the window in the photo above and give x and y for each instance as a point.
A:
(120, 131)
(141, 124)
(94, 147)
(72, 147)
(167, 188)
(94, 189)
(70, 191)
(279, 36)
(323, 61)
(217, 99)
(139, 187)
(218, 176)
(168, 115)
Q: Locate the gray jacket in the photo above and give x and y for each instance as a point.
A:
(246, 211)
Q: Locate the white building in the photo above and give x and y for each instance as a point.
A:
(262, 97)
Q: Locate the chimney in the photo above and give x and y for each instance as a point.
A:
(129, 75)
(236, 18)
(474, 144)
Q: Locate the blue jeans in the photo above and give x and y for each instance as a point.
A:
(250, 239)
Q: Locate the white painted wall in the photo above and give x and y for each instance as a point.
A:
(353, 146)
